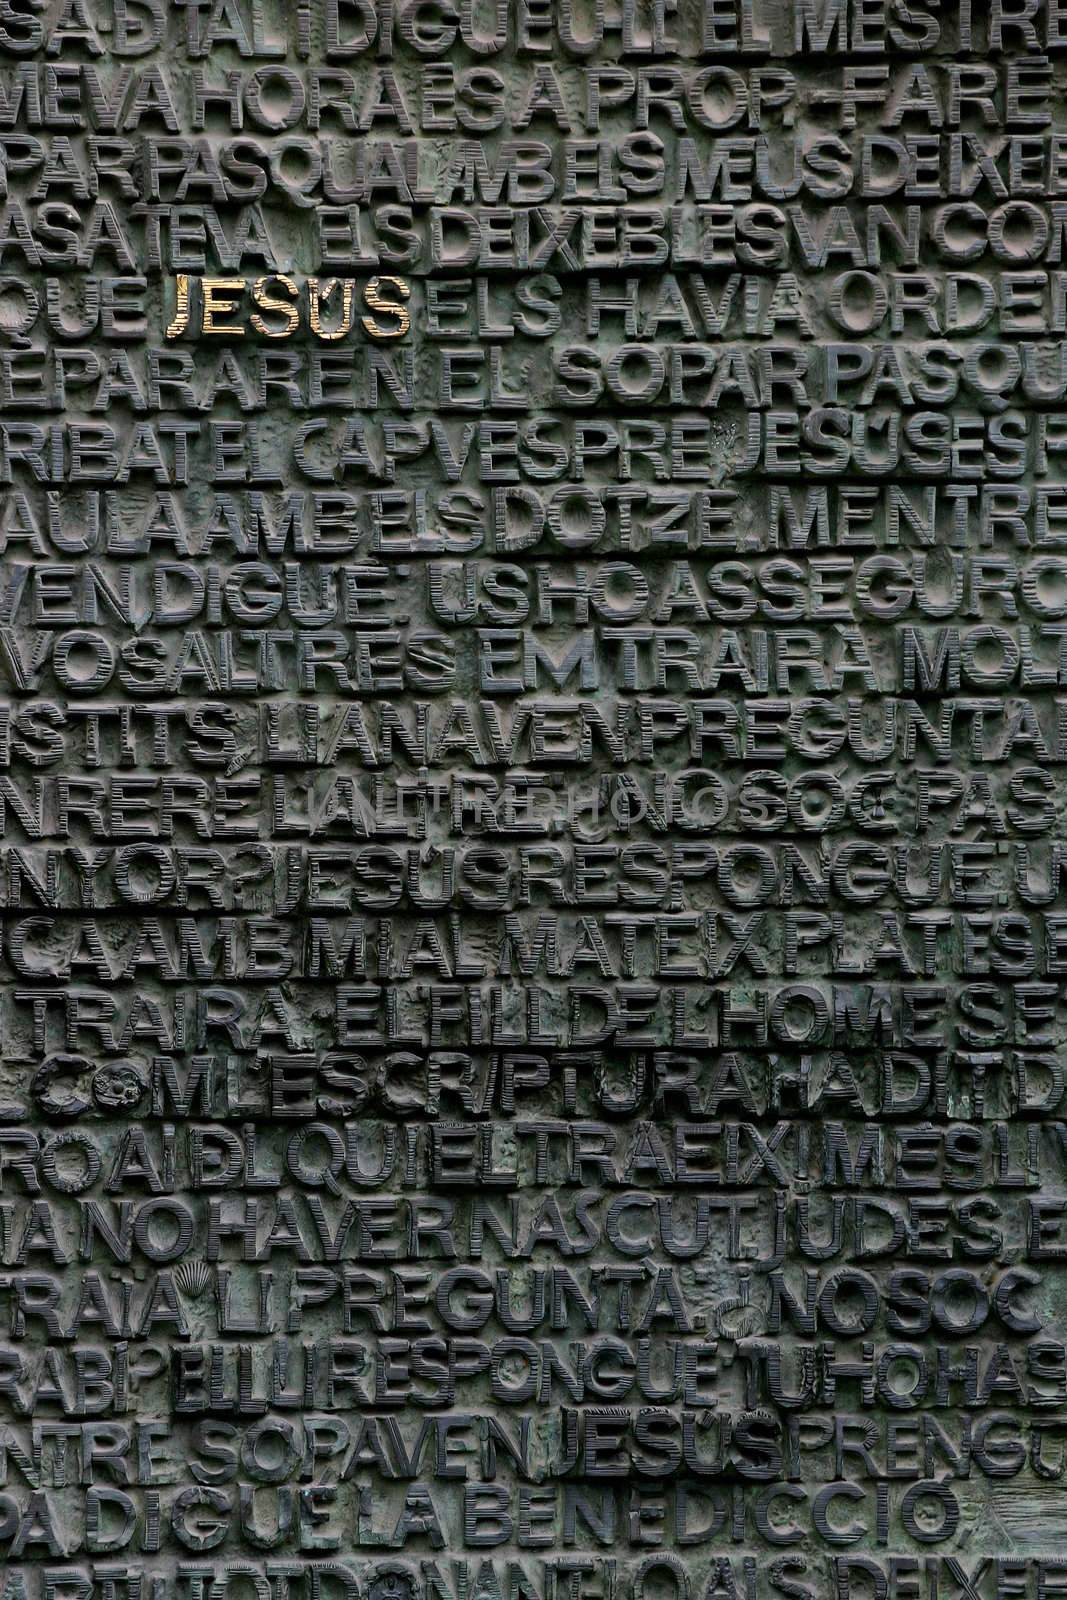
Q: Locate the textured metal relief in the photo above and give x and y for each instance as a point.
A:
(533, 756)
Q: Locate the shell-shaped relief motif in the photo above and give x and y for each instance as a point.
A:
(192, 1278)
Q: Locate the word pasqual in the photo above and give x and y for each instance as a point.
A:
(277, 307)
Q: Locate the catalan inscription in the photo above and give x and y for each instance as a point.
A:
(533, 777)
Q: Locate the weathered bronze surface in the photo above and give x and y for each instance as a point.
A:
(533, 740)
